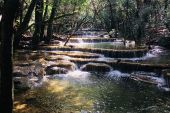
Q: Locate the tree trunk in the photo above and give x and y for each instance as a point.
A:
(21, 6)
(6, 100)
(38, 22)
(24, 24)
(44, 17)
(49, 29)
(111, 14)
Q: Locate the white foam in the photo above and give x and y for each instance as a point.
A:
(117, 74)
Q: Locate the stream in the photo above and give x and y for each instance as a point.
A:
(53, 81)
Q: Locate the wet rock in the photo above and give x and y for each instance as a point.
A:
(23, 70)
(60, 67)
(144, 78)
(66, 64)
(74, 54)
(21, 83)
(98, 67)
(166, 76)
(89, 40)
(126, 65)
(18, 74)
(51, 70)
(128, 53)
(56, 57)
(24, 64)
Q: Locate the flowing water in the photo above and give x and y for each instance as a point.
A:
(80, 91)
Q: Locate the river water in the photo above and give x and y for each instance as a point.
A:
(93, 92)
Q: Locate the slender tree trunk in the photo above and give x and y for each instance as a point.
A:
(166, 4)
(6, 100)
(24, 24)
(44, 17)
(49, 29)
(38, 22)
(21, 10)
(111, 14)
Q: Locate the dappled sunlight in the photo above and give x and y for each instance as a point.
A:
(57, 87)
(54, 96)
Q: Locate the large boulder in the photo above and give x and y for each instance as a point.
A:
(97, 67)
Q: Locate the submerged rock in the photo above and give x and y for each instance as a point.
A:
(144, 79)
(98, 67)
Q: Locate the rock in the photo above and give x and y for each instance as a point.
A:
(144, 78)
(18, 70)
(66, 64)
(21, 83)
(24, 64)
(56, 57)
(114, 53)
(51, 70)
(97, 67)
(60, 67)
(66, 54)
(18, 74)
(166, 76)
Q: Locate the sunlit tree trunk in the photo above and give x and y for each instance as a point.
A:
(9, 11)
(140, 28)
(111, 14)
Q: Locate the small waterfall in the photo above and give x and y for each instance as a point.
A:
(78, 76)
(117, 74)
